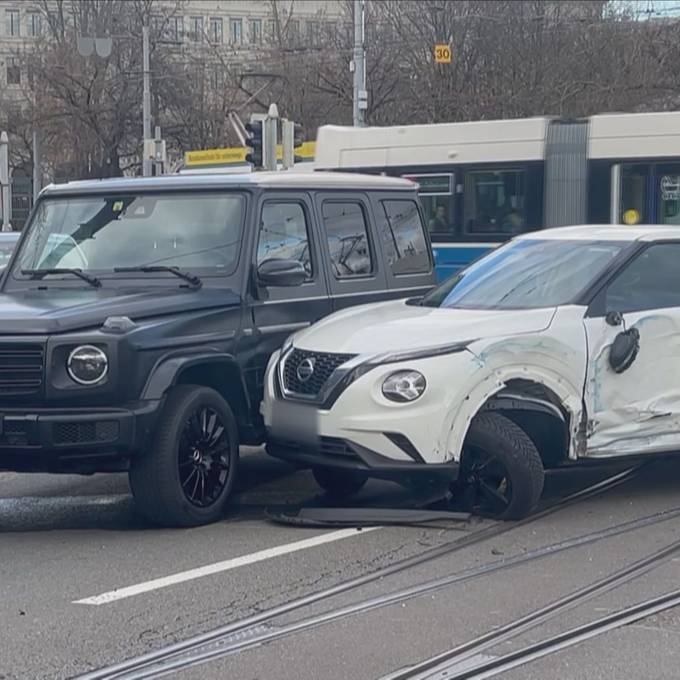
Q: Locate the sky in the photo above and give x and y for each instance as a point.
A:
(651, 8)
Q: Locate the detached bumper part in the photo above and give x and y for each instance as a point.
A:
(341, 453)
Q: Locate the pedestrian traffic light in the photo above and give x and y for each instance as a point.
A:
(298, 140)
(255, 142)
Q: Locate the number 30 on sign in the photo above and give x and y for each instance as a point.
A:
(442, 53)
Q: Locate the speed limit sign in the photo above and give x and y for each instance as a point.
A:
(442, 53)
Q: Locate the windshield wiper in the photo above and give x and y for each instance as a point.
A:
(192, 279)
(42, 273)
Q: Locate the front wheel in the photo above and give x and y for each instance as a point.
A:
(188, 475)
(501, 472)
(339, 483)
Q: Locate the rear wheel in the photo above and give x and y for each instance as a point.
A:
(337, 482)
(187, 477)
(501, 472)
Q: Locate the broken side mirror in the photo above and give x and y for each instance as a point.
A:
(624, 349)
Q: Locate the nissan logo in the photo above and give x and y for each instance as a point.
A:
(305, 369)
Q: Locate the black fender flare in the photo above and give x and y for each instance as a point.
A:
(164, 374)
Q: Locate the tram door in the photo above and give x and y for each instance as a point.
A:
(645, 193)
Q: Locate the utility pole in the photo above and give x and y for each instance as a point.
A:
(37, 161)
(147, 158)
(5, 194)
(358, 67)
(270, 128)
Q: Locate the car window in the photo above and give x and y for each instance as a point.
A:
(284, 234)
(650, 281)
(403, 237)
(347, 235)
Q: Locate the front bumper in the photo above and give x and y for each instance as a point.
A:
(71, 439)
(340, 453)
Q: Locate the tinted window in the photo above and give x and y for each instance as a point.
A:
(526, 274)
(192, 231)
(495, 202)
(403, 239)
(650, 281)
(284, 234)
(347, 235)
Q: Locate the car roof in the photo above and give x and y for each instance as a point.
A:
(276, 180)
(607, 232)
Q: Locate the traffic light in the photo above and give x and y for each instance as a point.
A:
(255, 142)
(298, 140)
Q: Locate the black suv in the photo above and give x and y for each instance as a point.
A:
(137, 317)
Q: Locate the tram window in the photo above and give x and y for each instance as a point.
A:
(495, 202)
(438, 213)
(669, 194)
(403, 238)
(634, 194)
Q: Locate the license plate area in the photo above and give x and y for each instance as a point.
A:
(297, 423)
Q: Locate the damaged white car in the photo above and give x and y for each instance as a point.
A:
(562, 345)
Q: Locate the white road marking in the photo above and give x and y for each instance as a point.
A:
(217, 567)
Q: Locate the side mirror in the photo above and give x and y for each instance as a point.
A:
(280, 272)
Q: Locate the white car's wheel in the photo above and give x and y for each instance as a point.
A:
(501, 472)
(339, 483)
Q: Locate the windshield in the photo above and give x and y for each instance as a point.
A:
(526, 274)
(198, 232)
(6, 248)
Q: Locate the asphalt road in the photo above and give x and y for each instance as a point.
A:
(84, 583)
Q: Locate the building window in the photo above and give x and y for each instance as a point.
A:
(313, 31)
(216, 31)
(256, 31)
(236, 31)
(196, 29)
(13, 71)
(34, 25)
(271, 30)
(347, 235)
(13, 27)
(176, 29)
(495, 202)
(294, 32)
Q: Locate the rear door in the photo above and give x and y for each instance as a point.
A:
(406, 250)
(352, 256)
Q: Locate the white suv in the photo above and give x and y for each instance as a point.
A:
(561, 345)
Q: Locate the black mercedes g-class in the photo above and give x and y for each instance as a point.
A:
(137, 317)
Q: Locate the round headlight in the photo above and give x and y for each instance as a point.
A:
(404, 386)
(87, 365)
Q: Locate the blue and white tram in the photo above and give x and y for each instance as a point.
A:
(482, 182)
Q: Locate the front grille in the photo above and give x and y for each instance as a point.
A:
(324, 365)
(21, 369)
(85, 433)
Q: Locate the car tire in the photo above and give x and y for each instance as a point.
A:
(501, 472)
(195, 443)
(339, 483)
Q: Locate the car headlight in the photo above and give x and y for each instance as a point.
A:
(87, 365)
(404, 386)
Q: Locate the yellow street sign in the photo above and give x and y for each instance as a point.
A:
(236, 155)
(442, 53)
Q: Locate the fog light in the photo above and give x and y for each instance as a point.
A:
(87, 365)
(404, 386)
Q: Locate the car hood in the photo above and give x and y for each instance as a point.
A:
(60, 310)
(396, 326)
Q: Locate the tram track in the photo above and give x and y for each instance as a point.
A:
(255, 629)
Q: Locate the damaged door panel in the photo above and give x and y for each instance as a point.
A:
(632, 392)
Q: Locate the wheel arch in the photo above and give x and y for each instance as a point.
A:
(215, 370)
(541, 402)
